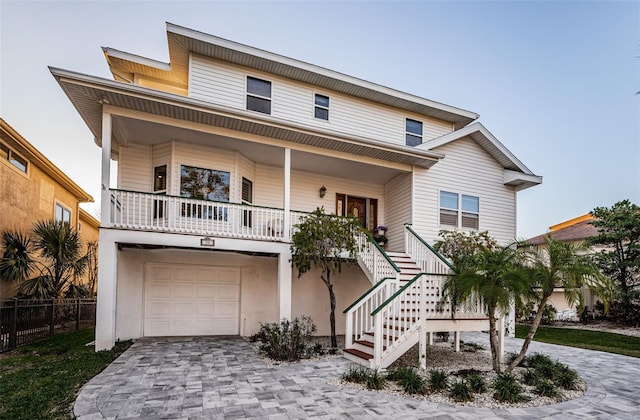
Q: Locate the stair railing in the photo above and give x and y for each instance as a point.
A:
(386, 275)
(428, 259)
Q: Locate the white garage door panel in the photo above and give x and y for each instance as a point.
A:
(183, 300)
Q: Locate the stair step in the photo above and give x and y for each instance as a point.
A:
(367, 344)
(362, 355)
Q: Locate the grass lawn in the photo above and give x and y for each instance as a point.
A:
(585, 339)
(40, 381)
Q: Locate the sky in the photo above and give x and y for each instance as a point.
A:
(555, 81)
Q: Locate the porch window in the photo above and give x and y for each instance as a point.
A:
(160, 188)
(322, 107)
(247, 198)
(258, 95)
(413, 134)
(63, 214)
(204, 184)
(459, 210)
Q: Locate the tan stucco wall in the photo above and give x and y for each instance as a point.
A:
(258, 290)
(26, 199)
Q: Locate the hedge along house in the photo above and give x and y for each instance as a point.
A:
(221, 152)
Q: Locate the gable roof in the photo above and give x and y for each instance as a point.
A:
(184, 41)
(35, 157)
(516, 173)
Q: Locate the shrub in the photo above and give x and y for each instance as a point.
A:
(507, 388)
(409, 379)
(442, 336)
(286, 340)
(538, 359)
(437, 380)
(548, 314)
(375, 380)
(470, 347)
(477, 383)
(460, 391)
(546, 388)
(356, 374)
(530, 377)
(566, 377)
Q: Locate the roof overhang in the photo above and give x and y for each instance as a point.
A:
(183, 42)
(515, 172)
(89, 94)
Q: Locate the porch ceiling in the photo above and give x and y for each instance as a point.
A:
(145, 132)
(89, 94)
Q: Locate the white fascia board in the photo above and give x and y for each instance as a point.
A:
(520, 179)
(481, 129)
(266, 55)
(144, 61)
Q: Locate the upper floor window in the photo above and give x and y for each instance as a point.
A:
(63, 214)
(258, 95)
(413, 135)
(459, 210)
(322, 107)
(160, 179)
(15, 159)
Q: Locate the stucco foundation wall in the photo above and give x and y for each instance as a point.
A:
(258, 286)
(310, 296)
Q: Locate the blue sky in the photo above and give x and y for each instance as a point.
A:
(555, 81)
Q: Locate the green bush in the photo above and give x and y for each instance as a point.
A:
(477, 383)
(376, 380)
(460, 391)
(530, 377)
(507, 388)
(409, 379)
(567, 378)
(373, 379)
(438, 380)
(546, 388)
(286, 340)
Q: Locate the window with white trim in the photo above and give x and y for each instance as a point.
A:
(63, 214)
(459, 210)
(258, 95)
(413, 132)
(321, 107)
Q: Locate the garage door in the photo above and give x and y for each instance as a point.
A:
(182, 299)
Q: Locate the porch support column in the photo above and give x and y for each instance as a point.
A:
(286, 205)
(107, 281)
(105, 195)
(284, 285)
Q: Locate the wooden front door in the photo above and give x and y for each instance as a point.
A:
(357, 207)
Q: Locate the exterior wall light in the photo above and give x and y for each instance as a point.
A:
(323, 191)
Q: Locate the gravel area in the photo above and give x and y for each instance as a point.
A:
(441, 356)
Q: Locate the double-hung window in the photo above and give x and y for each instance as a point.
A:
(321, 107)
(62, 214)
(258, 95)
(413, 134)
(459, 210)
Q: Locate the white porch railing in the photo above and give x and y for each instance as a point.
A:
(374, 260)
(423, 254)
(153, 212)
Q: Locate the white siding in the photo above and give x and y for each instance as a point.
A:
(466, 169)
(134, 168)
(397, 209)
(225, 84)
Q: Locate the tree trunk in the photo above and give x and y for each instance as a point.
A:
(332, 314)
(493, 341)
(532, 331)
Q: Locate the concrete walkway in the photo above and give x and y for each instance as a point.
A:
(222, 378)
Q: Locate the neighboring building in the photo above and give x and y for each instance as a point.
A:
(221, 151)
(32, 189)
(576, 230)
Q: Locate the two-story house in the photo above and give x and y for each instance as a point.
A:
(32, 188)
(222, 150)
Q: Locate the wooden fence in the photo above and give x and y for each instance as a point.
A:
(23, 321)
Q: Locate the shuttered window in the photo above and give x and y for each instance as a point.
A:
(258, 95)
(459, 210)
(247, 198)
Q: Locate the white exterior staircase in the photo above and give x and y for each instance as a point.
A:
(403, 306)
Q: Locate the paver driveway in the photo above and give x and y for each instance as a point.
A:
(221, 377)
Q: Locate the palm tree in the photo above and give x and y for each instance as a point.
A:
(565, 265)
(60, 259)
(489, 272)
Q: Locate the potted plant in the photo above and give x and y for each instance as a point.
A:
(380, 239)
(381, 230)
